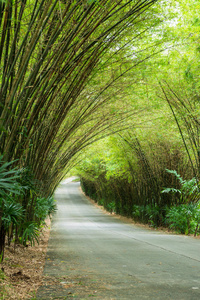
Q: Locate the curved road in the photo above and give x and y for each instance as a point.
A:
(93, 254)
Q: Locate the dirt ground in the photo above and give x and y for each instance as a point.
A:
(22, 269)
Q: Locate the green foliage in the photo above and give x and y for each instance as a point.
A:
(30, 233)
(152, 215)
(188, 191)
(129, 169)
(40, 209)
(73, 87)
(137, 212)
(8, 178)
(10, 189)
(111, 206)
(176, 175)
(59, 68)
(28, 182)
(12, 213)
(101, 202)
(51, 204)
(124, 171)
(184, 218)
(92, 1)
(22, 212)
(43, 207)
(177, 219)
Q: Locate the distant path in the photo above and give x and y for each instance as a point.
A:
(94, 255)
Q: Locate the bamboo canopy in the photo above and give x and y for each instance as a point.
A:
(51, 94)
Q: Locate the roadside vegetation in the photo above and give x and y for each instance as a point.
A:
(136, 189)
(150, 172)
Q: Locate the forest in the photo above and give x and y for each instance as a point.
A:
(107, 90)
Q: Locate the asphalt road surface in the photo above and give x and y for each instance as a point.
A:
(92, 254)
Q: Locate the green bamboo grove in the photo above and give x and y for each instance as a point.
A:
(150, 172)
(48, 52)
(61, 69)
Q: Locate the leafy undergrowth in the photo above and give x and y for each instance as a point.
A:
(22, 269)
(164, 229)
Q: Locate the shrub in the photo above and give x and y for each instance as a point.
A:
(111, 206)
(183, 218)
(30, 233)
(10, 211)
(22, 210)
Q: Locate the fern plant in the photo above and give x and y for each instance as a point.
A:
(188, 191)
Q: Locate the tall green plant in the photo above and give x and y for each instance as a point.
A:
(60, 74)
(22, 212)
(188, 191)
(11, 218)
(184, 218)
(43, 207)
(131, 174)
(10, 212)
(9, 178)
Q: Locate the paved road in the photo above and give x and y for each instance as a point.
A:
(94, 255)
